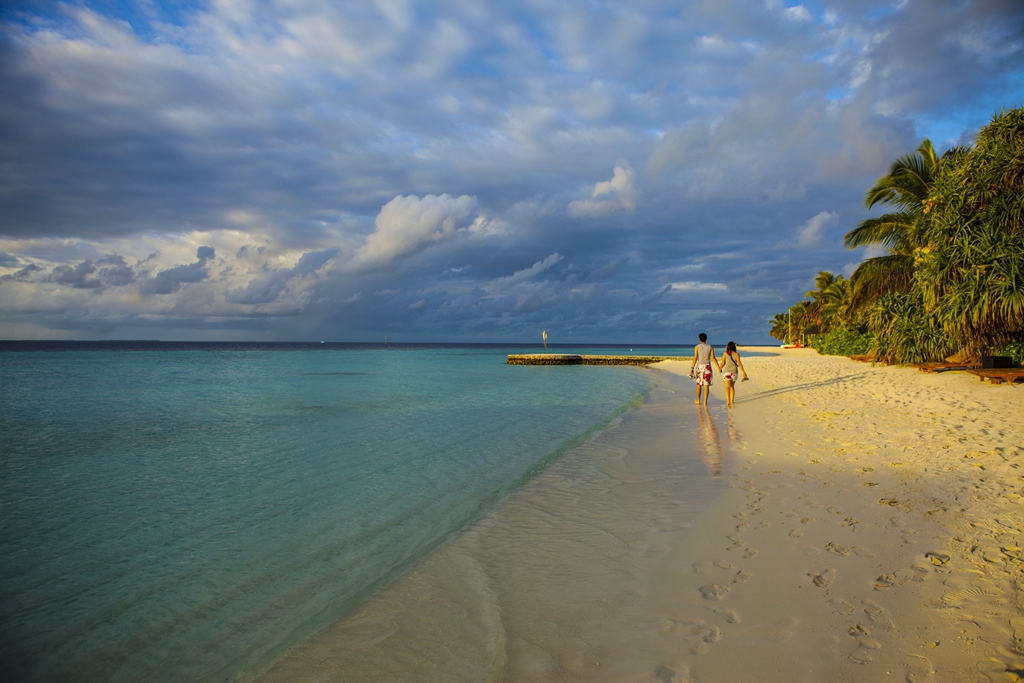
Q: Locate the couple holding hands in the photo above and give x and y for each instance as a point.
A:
(730, 367)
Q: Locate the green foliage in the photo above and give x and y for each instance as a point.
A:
(971, 271)
(1014, 350)
(780, 327)
(906, 187)
(903, 332)
(843, 342)
(952, 279)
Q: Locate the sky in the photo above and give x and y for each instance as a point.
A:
(461, 170)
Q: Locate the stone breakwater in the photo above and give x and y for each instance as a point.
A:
(572, 359)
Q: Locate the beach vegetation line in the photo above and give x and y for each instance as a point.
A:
(951, 279)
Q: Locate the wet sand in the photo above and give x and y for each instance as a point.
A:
(841, 523)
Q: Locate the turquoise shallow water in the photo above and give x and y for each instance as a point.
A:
(187, 512)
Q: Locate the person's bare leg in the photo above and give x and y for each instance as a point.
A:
(707, 392)
(697, 400)
(730, 393)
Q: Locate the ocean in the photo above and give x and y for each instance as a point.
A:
(189, 511)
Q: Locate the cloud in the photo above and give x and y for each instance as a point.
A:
(609, 196)
(23, 275)
(435, 170)
(173, 279)
(268, 288)
(697, 287)
(409, 223)
(811, 233)
(527, 274)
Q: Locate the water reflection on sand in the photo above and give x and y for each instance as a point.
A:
(715, 446)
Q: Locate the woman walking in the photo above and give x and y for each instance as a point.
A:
(730, 367)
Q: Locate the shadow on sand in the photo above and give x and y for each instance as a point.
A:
(798, 387)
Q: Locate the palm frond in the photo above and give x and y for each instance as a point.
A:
(885, 231)
(876, 276)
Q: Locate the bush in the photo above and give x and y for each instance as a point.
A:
(842, 343)
(1015, 351)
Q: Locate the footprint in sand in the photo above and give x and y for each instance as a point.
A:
(749, 553)
(861, 551)
(863, 637)
(876, 614)
(850, 521)
(728, 615)
(995, 670)
(668, 674)
(841, 606)
(824, 579)
(835, 511)
(1017, 623)
(722, 564)
(969, 594)
(710, 634)
(796, 533)
(713, 591)
(884, 582)
(838, 549)
(741, 576)
(919, 669)
(868, 643)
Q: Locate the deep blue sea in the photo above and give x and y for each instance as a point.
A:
(187, 511)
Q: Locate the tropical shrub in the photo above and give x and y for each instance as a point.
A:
(971, 272)
(843, 342)
(1014, 350)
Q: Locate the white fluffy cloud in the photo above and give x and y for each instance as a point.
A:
(609, 196)
(811, 233)
(408, 223)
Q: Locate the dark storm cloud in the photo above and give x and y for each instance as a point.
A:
(171, 280)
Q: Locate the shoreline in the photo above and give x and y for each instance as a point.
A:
(841, 522)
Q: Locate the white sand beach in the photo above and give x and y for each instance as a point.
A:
(842, 522)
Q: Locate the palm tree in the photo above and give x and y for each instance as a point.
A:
(780, 327)
(803, 321)
(830, 301)
(835, 310)
(906, 188)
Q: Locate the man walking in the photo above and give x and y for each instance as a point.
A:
(700, 368)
